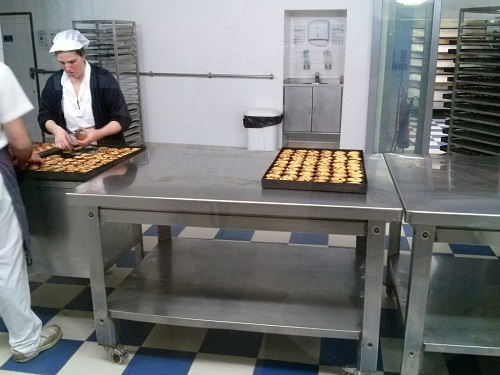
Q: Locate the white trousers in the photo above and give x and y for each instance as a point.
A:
(15, 302)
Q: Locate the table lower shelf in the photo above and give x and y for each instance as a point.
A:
(463, 303)
(261, 287)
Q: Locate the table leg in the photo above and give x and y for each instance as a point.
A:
(393, 250)
(164, 233)
(368, 350)
(106, 331)
(139, 250)
(418, 288)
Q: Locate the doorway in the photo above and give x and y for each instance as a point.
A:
(19, 54)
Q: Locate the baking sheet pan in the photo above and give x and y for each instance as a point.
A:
(343, 187)
(77, 176)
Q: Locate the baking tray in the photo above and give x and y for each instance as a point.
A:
(77, 176)
(344, 187)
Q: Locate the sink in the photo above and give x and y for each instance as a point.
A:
(309, 81)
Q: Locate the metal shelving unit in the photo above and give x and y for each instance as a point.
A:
(474, 125)
(113, 46)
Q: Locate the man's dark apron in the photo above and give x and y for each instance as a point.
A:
(10, 181)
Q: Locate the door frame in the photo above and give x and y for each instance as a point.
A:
(33, 50)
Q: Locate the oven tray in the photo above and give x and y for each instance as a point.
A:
(77, 176)
(342, 187)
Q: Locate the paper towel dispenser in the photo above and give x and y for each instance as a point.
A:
(318, 30)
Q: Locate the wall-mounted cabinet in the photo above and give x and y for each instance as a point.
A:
(312, 108)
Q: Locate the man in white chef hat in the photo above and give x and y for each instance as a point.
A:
(82, 103)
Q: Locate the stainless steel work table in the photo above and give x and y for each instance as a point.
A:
(262, 287)
(449, 304)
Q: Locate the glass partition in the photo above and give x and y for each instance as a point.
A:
(409, 37)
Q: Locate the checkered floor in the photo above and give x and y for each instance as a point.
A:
(436, 133)
(159, 349)
(435, 141)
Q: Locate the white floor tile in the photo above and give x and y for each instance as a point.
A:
(496, 250)
(271, 236)
(149, 242)
(198, 232)
(186, 339)
(392, 350)
(434, 364)
(75, 324)
(211, 364)
(38, 277)
(341, 240)
(54, 295)
(91, 358)
(441, 248)
(299, 349)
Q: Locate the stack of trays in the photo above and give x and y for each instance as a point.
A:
(317, 169)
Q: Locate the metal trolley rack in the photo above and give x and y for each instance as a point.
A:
(113, 46)
(475, 105)
(275, 288)
(449, 304)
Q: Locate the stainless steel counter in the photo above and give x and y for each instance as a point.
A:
(449, 304)
(58, 242)
(260, 287)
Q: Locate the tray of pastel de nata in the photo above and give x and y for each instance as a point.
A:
(80, 164)
(333, 170)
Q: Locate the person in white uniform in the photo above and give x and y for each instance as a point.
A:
(26, 336)
(81, 96)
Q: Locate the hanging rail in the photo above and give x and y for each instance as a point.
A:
(208, 75)
(153, 74)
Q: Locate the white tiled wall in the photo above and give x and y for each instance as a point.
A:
(294, 47)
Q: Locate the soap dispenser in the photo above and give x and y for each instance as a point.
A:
(307, 63)
(327, 58)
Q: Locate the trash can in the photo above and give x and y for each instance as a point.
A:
(263, 130)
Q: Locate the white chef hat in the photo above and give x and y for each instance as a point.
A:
(69, 40)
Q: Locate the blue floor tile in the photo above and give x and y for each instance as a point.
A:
(131, 333)
(234, 234)
(128, 260)
(270, 367)
(407, 229)
(338, 352)
(158, 361)
(48, 362)
(45, 313)
(151, 231)
(309, 238)
(83, 301)
(69, 280)
(465, 249)
(391, 324)
(460, 364)
(175, 230)
(134, 333)
(235, 343)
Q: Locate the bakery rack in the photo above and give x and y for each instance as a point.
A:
(474, 124)
(113, 46)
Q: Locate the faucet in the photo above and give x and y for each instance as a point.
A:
(316, 77)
